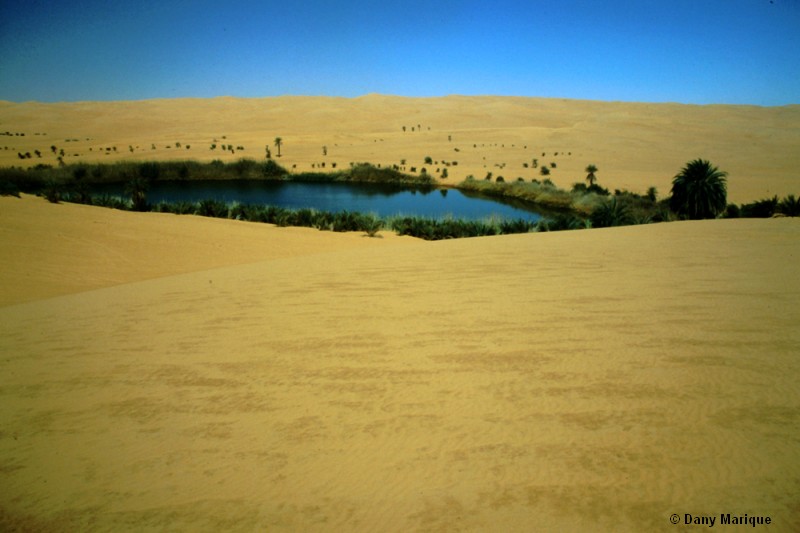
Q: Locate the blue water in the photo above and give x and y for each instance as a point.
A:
(381, 200)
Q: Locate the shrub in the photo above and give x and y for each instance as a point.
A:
(789, 206)
(114, 202)
(731, 211)
(561, 223)
(760, 209)
(53, 191)
(137, 189)
(611, 213)
(9, 188)
(271, 169)
(597, 189)
(212, 208)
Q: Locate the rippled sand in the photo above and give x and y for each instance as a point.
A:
(184, 374)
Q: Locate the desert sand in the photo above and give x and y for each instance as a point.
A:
(267, 379)
(635, 145)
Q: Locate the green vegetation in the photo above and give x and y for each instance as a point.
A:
(699, 191)
(63, 177)
(536, 193)
(611, 213)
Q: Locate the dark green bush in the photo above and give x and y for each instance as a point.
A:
(212, 208)
(732, 211)
(271, 169)
(114, 202)
(611, 213)
(9, 188)
(760, 209)
(560, 223)
(53, 191)
(789, 206)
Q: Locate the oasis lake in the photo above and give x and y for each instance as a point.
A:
(380, 199)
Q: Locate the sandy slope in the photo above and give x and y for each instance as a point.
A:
(67, 248)
(635, 146)
(584, 381)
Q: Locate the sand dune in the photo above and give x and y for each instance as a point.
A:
(583, 381)
(67, 248)
(635, 146)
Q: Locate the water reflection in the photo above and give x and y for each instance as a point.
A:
(381, 199)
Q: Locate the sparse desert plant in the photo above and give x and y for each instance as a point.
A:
(591, 179)
(544, 171)
(278, 143)
(699, 191)
(428, 160)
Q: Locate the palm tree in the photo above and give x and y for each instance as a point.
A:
(699, 191)
(590, 177)
(278, 144)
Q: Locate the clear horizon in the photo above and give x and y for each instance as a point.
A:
(714, 52)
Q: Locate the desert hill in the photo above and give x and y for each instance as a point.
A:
(596, 380)
(635, 145)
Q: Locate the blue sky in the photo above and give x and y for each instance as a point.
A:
(690, 51)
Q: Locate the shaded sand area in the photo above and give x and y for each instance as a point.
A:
(635, 145)
(68, 248)
(594, 380)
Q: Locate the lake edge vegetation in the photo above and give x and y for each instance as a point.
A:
(699, 191)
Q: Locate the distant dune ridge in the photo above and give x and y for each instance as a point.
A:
(176, 373)
(634, 145)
